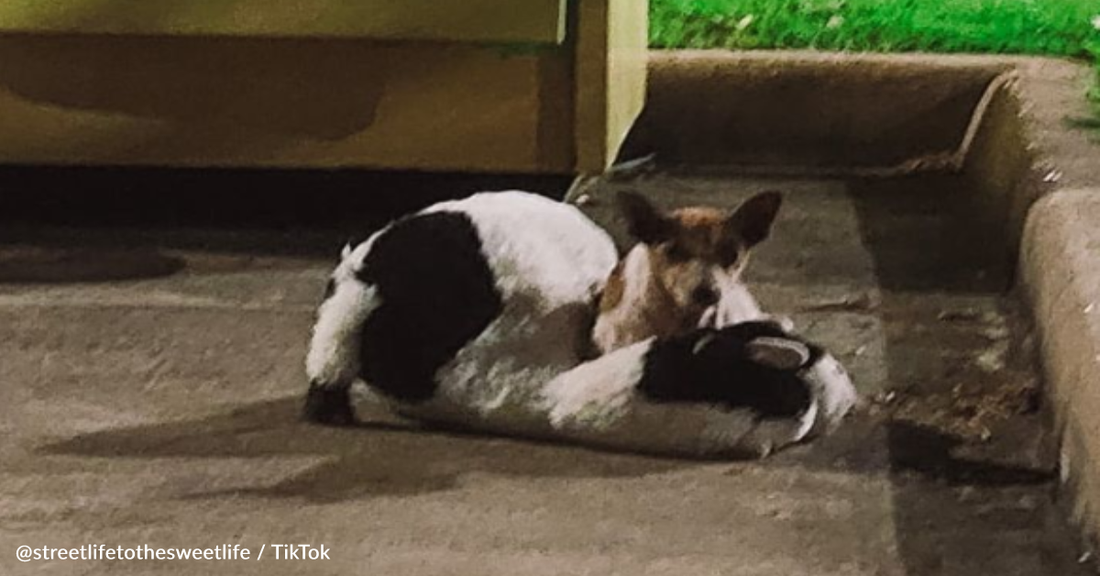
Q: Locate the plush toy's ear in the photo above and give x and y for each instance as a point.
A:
(779, 353)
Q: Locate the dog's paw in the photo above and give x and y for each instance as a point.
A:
(328, 405)
(786, 323)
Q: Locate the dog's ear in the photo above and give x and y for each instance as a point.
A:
(752, 221)
(779, 353)
(644, 221)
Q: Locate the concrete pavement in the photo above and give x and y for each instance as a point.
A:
(163, 411)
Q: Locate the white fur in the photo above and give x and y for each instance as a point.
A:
(333, 357)
(735, 304)
(596, 393)
(538, 247)
(618, 326)
(833, 393)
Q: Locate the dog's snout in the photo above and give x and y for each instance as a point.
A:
(704, 296)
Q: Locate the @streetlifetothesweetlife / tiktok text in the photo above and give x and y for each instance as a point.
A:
(280, 551)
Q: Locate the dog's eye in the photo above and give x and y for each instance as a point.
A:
(677, 253)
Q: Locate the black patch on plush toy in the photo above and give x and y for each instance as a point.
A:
(725, 367)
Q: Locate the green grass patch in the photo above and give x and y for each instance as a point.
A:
(1046, 27)
(1093, 48)
(1058, 27)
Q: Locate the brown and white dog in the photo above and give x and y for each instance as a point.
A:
(685, 271)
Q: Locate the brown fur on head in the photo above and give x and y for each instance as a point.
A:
(694, 256)
(692, 250)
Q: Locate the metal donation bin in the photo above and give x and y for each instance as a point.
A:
(549, 86)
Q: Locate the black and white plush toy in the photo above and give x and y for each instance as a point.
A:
(478, 312)
(746, 389)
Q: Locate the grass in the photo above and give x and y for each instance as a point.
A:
(1047, 27)
(1059, 27)
(1094, 94)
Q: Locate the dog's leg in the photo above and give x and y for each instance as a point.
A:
(333, 362)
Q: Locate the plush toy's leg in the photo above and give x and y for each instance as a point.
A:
(333, 362)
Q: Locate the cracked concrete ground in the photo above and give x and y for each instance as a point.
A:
(162, 410)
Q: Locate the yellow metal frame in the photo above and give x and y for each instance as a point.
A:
(436, 20)
(194, 100)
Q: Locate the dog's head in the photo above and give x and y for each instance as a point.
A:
(696, 253)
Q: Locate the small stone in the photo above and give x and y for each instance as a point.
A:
(858, 302)
(966, 315)
(1027, 503)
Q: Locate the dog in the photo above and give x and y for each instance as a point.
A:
(684, 272)
(477, 313)
(478, 297)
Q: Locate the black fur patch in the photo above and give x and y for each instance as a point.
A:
(437, 294)
(721, 373)
(328, 406)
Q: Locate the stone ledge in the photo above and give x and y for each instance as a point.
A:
(1061, 279)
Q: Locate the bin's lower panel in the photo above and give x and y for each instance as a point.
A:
(496, 21)
(283, 103)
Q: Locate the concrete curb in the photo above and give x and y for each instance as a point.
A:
(1059, 276)
(1057, 273)
(1028, 163)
